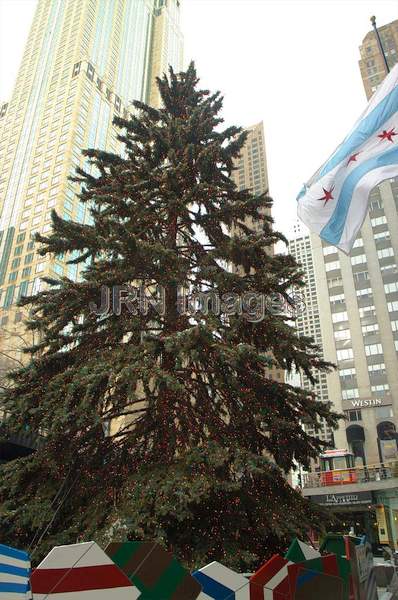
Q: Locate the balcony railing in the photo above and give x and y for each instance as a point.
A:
(363, 474)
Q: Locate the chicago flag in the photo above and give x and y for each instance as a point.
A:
(334, 202)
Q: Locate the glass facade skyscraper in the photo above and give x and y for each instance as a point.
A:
(84, 62)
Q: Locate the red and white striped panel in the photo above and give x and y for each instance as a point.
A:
(80, 572)
(271, 581)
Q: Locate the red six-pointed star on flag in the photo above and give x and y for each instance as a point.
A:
(353, 158)
(387, 135)
(328, 195)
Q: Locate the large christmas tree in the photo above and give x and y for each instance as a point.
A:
(158, 422)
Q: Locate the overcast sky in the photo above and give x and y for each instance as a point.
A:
(290, 63)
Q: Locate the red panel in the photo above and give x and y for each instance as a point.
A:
(78, 579)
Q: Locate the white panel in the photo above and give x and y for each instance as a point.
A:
(62, 557)
(88, 554)
(14, 562)
(223, 575)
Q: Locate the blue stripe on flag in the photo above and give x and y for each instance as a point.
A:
(11, 570)
(14, 588)
(366, 128)
(213, 588)
(13, 553)
(333, 230)
(302, 192)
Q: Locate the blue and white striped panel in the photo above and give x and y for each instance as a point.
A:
(220, 583)
(14, 574)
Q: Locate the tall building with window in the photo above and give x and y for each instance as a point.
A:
(371, 63)
(251, 166)
(251, 172)
(357, 298)
(84, 62)
(308, 320)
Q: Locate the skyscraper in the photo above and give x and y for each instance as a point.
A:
(252, 163)
(371, 63)
(357, 298)
(308, 319)
(251, 172)
(84, 62)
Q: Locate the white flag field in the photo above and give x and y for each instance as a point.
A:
(334, 202)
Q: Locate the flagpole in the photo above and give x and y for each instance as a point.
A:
(380, 45)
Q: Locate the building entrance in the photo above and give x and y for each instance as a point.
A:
(358, 522)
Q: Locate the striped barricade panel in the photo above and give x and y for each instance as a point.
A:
(271, 581)
(154, 571)
(220, 583)
(80, 572)
(299, 551)
(14, 574)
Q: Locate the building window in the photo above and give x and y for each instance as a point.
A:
(378, 221)
(76, 69)
(381, 236)
(381, 389)
(364, 292)
(39, 267)
(384, 412)
(343, 334)
(392, 306)
(385, 252)
(361, 276)
(338, 299)
(366, 329)
(345, 354)
(90, 72)
(372, 349)
(332, 266)
(340, 316)
(353, 415)
(376, 204)
(350, 393)
(23, 289)
(347, 373)
(335, 282)
(367, 311)
(357, 260)
(378, 369)
(9, 297)
(329, 250)
(389, 288)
